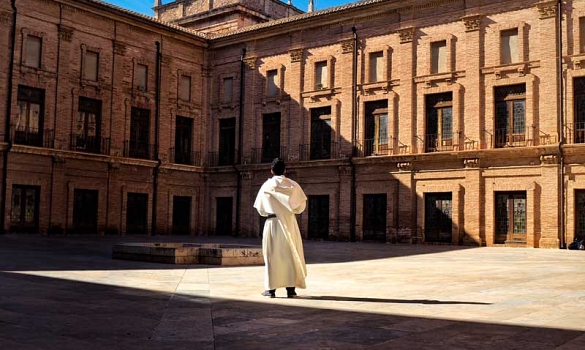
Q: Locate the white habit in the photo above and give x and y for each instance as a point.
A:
(282, 245)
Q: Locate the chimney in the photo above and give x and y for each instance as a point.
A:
(311, 6)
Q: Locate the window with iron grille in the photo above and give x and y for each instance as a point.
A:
(439, 122)
(510, 123)
(87, 129)
(28, 128)
(376, 131)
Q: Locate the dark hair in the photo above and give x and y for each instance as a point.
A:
(278, 166)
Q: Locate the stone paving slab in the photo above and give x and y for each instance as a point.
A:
(67, 293)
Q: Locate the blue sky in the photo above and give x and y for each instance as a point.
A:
(144, 6)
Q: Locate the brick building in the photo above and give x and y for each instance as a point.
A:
(443, 121)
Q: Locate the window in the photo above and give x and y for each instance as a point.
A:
(33, 51)
(376, 66)
(510, 217)
(439, 122)
(87, 130)
(321, 75)
(439, 57)
(510, 116)
(139, 146)
(185, 88)
(581, 34)
(228, 90)
(578, 130)
(141, 77)
(90, 66)
(509, 49)
(183, 137)
(227, 141)
(25, 208)
(376, 140)
(321, 133)
(272, 83)
(29, 120)
(270, 137)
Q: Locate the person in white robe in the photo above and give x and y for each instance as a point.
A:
(279, 199)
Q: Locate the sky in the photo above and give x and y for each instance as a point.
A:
(145, 6)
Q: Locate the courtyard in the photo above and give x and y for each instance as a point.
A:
(68, 293)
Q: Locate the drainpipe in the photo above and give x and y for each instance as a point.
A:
(240, 143)
(352, 214)
(156, 132)
(561, 112)
(7, 119)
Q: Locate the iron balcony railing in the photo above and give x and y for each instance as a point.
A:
(267, 155)
(221, 158)
(188, 157)
(98, 145)
(372, 147)
(440, 142)
(23, 135)
(318, 150)
(575, 132)
(140, 150)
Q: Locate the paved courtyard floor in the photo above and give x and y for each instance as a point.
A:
(67, 293)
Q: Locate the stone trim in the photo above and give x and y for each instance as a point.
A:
(250, 62)
(472, 23)
(296, 55)
(406, 35)
(347, 46)
(547, 9)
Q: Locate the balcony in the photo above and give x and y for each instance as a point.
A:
(190, 157)
(575, 132)
(22, 135)
(440, 143)
(221, 158)
(267, 155)
(318, 151)
(133, 149)
(96, 145)
(372, 148)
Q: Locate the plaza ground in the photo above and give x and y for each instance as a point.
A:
(67, 293)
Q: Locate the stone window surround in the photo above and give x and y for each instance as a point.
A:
(391, 97)
(312, 63)
(522, 33)
(570, 94)
(220, 92)
(25, 34)
(387, 60)
(99, 51)
(427, 43)
(135, 63)
(335, 105)
(186, 73)
(280, 69)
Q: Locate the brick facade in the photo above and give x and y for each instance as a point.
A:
(460, 170)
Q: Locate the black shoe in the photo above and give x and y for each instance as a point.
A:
(290, 292)
(269, 293)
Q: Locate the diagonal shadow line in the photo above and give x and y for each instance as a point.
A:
(390, 301)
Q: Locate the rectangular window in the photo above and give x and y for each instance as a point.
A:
(510, 116)
(185, 88)
(510, 217)
(141, 77)
(581, 34)
(139, 146)
(25, 208)
(580, 214)
(439, 57)
(183, 137)
(272, 83)
(376, 132)
(321, 75)
(439, 122)
(509, 49)
(578, 129)
(33, 51)
(376, 66)
(321, 144)
(228, 90)
(87, 135)
(29, 120)
(90, 66)
(227, 141)
(270, 137)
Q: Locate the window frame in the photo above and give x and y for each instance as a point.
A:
(185, 78)
(511, 137)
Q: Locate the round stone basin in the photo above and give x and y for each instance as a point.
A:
(190, 253)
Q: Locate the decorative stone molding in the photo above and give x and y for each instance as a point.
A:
(345, 170)
(5, 17)
(59, 160)
(347, 46)
(114, 166)
(404, 166)
(119, 48)
(250, 62)
(471, 163)
(65, 33)
(296, 55)
(163, 170)
(246, 175)
(472, 23)
(548, 159)
(406, 35)
(547, 9)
